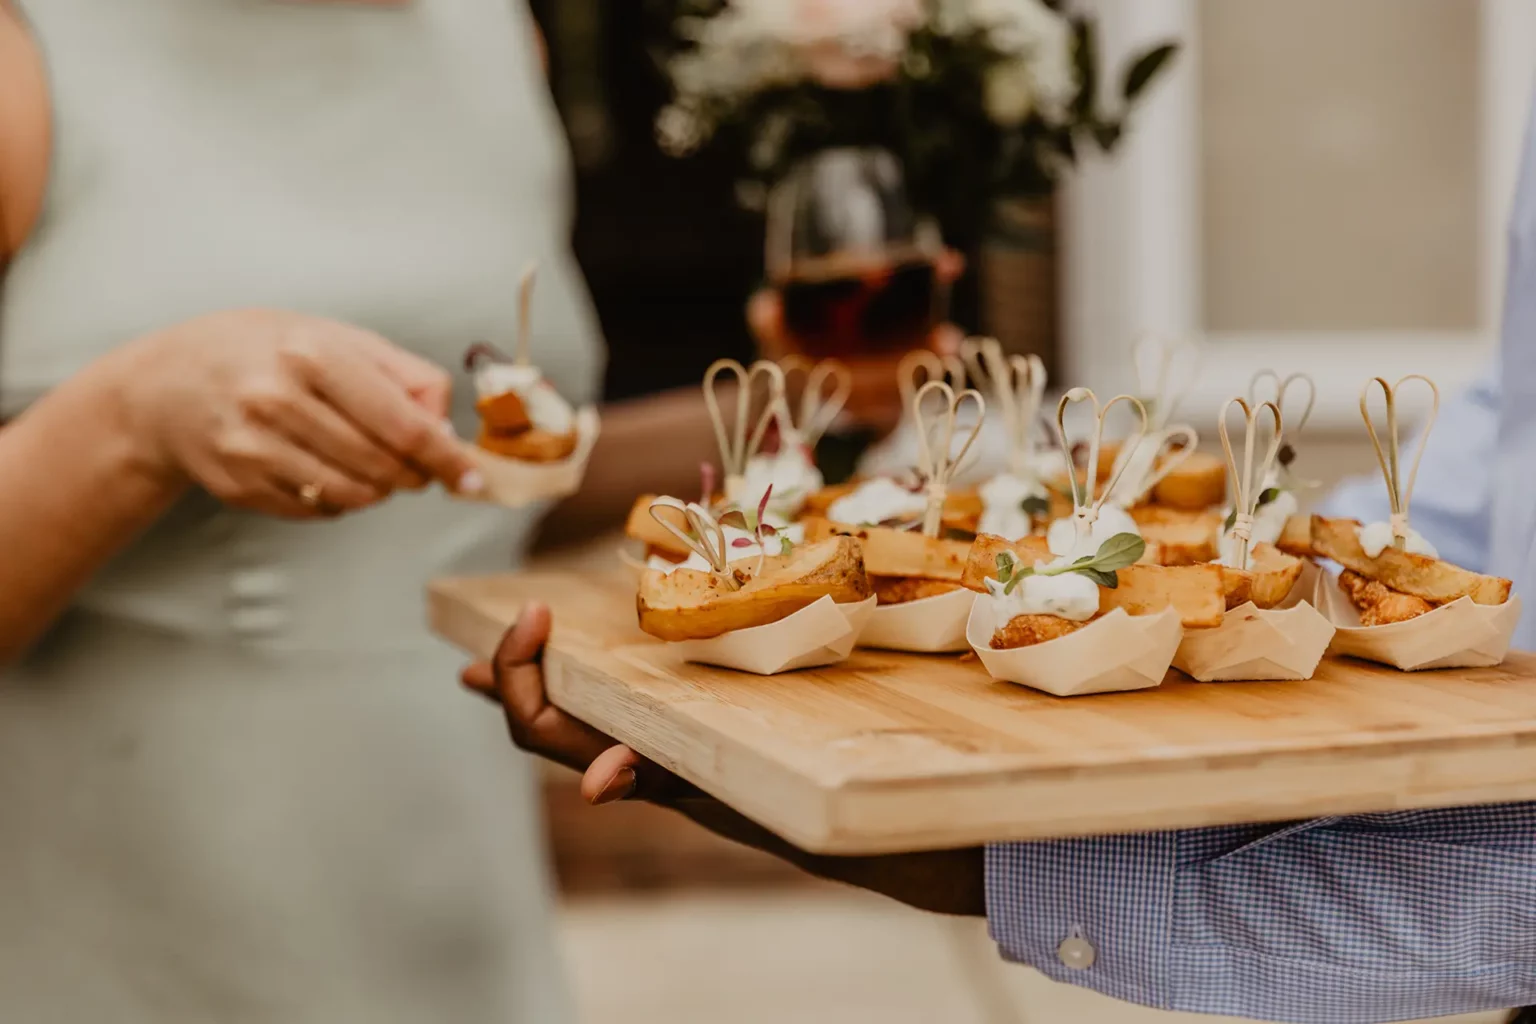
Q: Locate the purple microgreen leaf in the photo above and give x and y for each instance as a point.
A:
(743, 542)
(767, 530)
(735, 519)
(482, 352)
(762, 506)
(707, 479)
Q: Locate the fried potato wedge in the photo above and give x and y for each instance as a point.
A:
(691, 605)
(891, 552)
(1434, 580)
(1380, 605)
(532, 445)
(1266, 582)
(1196, 592)
(504, 414)
(904, 589)
(1196, 485)
(1178, 536)
(642, 526)
(1296, 537)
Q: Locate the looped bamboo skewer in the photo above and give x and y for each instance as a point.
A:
(937, 462)
(933, 367)
(524, 351)
(706, 538)
(818, 408)
(1018, 385)
(1248, 482)
(1283, 385)
(1398, 495)
(737, 442)
(1085, 508)
(1156, 359)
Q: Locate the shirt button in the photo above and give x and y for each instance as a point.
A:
(1076, 953)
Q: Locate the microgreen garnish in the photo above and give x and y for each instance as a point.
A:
(1287, 456)
(756, 524)
(1116, 553)
(1035, 506)
(707, 482)
(1269, 494)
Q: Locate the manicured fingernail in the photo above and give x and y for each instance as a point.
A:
(471, 482)
(620, 786)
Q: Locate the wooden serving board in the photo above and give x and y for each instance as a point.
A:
(890, 752)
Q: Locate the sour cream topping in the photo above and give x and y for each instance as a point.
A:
(1061, 535)
(1070, 595)
(1002, 501)
(1377, 537)
(547, 411)
(876, 501)
(791, 472)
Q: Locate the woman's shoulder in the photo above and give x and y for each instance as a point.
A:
(24, 131)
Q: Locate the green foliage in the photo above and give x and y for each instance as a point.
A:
(1118, 552)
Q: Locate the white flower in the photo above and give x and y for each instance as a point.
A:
(1038, 38)
(1009, 93)
(679, 130)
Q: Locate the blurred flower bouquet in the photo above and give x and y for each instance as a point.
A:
(978, 98)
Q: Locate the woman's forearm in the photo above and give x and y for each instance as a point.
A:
(652, 445)
(77, 489)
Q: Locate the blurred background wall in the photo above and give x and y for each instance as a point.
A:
(1321, 185)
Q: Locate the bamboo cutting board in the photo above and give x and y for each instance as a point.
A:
(890, 752)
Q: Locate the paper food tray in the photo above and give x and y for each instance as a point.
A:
(1461, 634)
(822, 633)
(1252, 643)
(515, 483)
(1113, 653)
(932, 625)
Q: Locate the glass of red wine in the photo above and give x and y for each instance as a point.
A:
(854, 265)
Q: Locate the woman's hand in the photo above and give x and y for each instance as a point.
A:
(948, 882)
(288, 414)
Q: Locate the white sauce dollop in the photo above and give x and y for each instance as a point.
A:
(791, 472)
(1002, 512)
(1061, 535)
(547, 411)
(1070, 595)
(1377, 537)
(876, 501)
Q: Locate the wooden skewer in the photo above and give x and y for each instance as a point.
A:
(1282, 385)
(1085, 507)
(1248, 482)
(706, 539)
(1155, 360)
(1398, 495)
(818, 407)
(937, 462)
(737, 442)
(524, 354)
(932, 367)
(1018, 384)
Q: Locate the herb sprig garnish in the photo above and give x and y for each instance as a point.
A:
(1035, 506)
(755, 524)
(1118, 552)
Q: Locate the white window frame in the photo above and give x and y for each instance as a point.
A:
(1131, 233)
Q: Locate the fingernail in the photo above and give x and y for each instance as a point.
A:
(620, 786)
(471, 482)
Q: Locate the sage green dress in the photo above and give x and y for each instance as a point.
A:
(238, 783)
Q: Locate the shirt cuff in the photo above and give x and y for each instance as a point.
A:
(1095, 912)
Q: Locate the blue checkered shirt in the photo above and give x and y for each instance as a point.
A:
(1351, 920)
